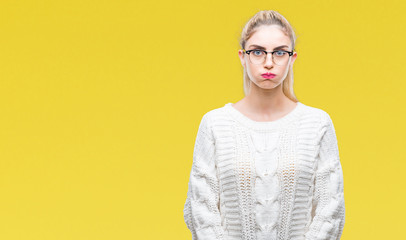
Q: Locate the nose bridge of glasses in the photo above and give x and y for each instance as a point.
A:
(267, 56)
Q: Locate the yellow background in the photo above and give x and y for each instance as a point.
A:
(100, 103)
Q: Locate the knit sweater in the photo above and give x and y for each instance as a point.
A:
(275, 180)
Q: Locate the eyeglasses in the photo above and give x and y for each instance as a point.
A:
(279, 57)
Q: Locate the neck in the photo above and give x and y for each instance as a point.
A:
(267, 100)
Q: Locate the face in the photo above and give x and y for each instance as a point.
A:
(270, 38)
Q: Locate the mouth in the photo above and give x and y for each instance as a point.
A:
(268, 75)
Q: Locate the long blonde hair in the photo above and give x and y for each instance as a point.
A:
(270, 17)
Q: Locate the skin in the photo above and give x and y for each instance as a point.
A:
(266, 101)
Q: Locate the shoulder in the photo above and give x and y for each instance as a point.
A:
(324, 128)
(210, 118)
(322, 116)
(215, 121)
(214, 115)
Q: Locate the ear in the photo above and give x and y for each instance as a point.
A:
(242, 58)
(293, 58)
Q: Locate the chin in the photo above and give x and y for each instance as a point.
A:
(270, 85)
(267, 86)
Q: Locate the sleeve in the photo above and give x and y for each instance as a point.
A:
(201, 210)
(328, 212)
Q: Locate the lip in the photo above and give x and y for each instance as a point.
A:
(268, 75)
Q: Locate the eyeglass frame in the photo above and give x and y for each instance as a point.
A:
(266, 54)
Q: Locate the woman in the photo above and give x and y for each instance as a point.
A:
(268, 166)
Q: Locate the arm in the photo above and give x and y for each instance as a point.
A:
(201, 210)
(328, 198)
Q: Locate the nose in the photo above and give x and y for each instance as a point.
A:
(268, 60)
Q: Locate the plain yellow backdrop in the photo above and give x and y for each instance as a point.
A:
(100, 103)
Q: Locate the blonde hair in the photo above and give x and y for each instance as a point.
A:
(270, 17)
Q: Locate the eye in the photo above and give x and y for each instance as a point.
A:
(280, 53)
(257, 52)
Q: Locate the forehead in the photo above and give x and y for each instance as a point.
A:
(268, 37)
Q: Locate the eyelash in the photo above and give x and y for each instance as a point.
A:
(253, 50)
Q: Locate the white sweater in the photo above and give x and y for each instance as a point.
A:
(277, 180)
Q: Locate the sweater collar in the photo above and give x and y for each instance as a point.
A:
(268, 125)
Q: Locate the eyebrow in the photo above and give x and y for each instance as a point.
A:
(262, 48)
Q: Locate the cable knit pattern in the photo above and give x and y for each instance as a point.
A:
(277, 180)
